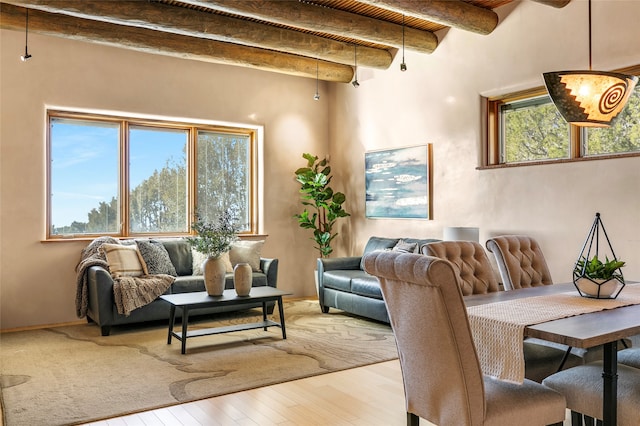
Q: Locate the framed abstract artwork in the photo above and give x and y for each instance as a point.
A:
(398, 183)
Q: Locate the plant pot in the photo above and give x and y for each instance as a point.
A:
(590, 287)
(242, 279)
(214, 270)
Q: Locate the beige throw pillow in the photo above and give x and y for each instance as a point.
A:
(246, 252)
(198, 258)
(124, 261)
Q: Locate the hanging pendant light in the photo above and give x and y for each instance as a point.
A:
(316, 97)
(355, 63)
(26, 55)
(589, 98)
(403, 66)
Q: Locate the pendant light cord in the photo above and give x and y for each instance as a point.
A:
(26, 34)
(403, 38)
(590, 67)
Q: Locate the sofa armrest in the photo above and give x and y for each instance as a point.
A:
(270, 269)
(100, 293)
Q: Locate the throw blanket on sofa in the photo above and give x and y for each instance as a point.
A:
(129, 292)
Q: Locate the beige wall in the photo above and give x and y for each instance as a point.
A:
(37, 280)
(438, 101)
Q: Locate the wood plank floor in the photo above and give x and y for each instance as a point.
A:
(366, 396)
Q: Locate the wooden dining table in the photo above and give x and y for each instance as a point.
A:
(600, 328)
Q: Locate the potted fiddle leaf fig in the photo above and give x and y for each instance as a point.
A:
(322, 206)
(597, 278)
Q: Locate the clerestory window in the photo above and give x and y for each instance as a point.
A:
(526, 128)
(126, 177)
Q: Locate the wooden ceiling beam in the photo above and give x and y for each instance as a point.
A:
(325, 20)
(559, 4)
(188, 22)
(175, 45)
(452, 13)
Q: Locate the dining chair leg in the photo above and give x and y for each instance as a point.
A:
(412, 419)
(576, 419)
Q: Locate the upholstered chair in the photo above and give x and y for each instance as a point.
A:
(520, 261)
(582, 387)
(630, 357)
(470, 262)
(440, 369)
(476, 276)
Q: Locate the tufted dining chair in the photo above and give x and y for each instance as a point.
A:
(470, 262)
(582, 387)
(441, 373)
(630, 357)
(476, 276)
(520, 261)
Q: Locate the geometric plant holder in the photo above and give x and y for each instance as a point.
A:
(593, 287)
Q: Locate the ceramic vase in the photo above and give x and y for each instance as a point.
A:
(242, 279)
(215, 271)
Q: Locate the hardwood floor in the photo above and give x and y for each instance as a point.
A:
(367, 396)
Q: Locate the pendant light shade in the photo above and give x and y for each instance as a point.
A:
(589, 98)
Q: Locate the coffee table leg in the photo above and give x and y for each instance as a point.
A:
(264, 313)
(185, 321)
(281, 312)
(172, 322)
(610, 385)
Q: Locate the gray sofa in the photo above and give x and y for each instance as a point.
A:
(101, 304)
(343, 284)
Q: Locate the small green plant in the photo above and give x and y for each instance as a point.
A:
(215, 239)
(596, 269)
(323, 206)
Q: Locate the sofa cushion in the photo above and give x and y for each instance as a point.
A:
(188, 284)
(180, 254)
(246, 252)
(367, 286)
(341, 279)
(156, 257)
(124, 260)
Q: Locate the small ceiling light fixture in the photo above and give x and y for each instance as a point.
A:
(355, 63)
(589, 98)
(403, 66)
(316, 97)
(26, 55)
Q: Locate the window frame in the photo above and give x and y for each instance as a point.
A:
(491, 151)
(192, 128)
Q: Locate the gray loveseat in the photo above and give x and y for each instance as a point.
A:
(101, 304)
(343, 284)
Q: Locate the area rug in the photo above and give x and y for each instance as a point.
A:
(72, 375)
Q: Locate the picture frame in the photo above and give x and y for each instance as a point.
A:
(398, 183)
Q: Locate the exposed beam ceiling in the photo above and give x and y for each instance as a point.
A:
(286, 36)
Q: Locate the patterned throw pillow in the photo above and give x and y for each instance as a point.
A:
(156, 257)
(198, 258)
(246, 252)
(124, 261)
(404, 247)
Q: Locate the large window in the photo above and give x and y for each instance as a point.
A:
(123, 177)
(526, 128)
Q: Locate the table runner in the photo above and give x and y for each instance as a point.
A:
(498, 328)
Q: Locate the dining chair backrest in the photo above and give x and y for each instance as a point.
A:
(520, 261)
(470, 262)
(440, 369)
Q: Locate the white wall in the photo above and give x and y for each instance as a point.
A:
(438, 101)
(37, 279)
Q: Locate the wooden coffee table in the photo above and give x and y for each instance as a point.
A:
(188, 301)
